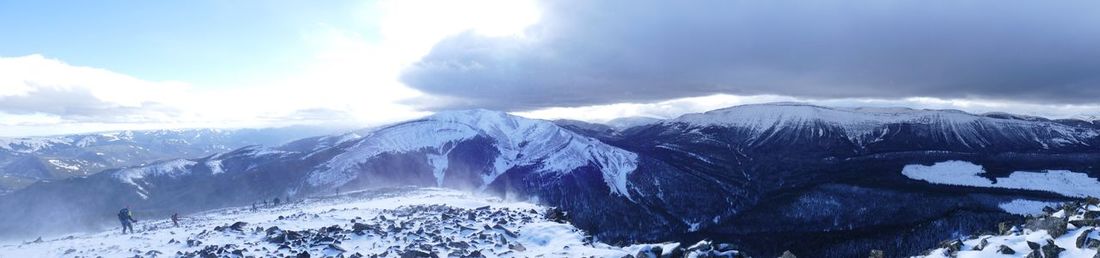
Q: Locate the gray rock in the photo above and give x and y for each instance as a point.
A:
(1056, 227)
(1003, 249)
(1083, 238)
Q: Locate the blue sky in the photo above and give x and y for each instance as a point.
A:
(81, 66)
(207, 42)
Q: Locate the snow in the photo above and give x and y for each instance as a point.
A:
(1025, 207)
(215, 167)
(62, 164)
(962, 173)
(541, 238)
(628, 122)
(864, 124)
(520, 142)
(32, 144)
(170, 168)
(1019, 244)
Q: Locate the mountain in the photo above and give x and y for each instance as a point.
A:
(389, 222)
(818, 181)
(633, 121)
(28, 159)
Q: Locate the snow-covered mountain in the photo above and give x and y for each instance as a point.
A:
(29, 159)
(380, 223)
(876, 127)
(764, 176)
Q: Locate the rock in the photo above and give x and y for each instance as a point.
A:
(238, 226)
(1004, 249)
(303, 254)
(981, 245)
(1056, 227)
(1092, 243)
(788, 254)
(1004, 228)
(877, 254)
(334, 247)
(677, 252)
(556, 215)
(70, 251)
(1085, 223)
(475, 254)
(517, 247)
(952, 246)
(1033, 245)
(1034, 254)
(1084, 237)
(1051, 250)
(417, 254)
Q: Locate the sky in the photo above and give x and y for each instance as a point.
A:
(81, 66)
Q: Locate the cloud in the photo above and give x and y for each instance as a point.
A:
(34, 85)
(584, 53)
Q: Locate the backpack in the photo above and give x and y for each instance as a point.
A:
(124, 214)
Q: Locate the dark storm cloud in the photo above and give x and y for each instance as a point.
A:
(598, 52)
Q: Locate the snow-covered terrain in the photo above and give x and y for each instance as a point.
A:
(1025, 207)
(518, 142)
(64, 156)
(424, 222)
(863, 125)
(964, 173)
(1067, 230)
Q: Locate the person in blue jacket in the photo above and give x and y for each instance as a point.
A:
(127, 219)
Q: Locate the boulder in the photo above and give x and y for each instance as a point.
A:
(1003, 249)
(788, 254)
(1056, 227)
(1051, 250)
(238, 226)
(1033, 245)
(1083, 238)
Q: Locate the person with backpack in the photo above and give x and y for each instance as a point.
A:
(127, 219)
(175, 219)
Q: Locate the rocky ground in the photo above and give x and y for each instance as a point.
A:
(383, 223)
(1069, 230)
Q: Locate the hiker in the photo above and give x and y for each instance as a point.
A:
(253, 206)
(276, 201)
(265, 203)
(176, 219)
(127, 219)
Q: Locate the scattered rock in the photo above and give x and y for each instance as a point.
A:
(1003, 249)
(1056, 227)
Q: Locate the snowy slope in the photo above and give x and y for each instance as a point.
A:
(1065, 230)
(65, 156)
(1068, 183)
(519, 142)
(390, 223)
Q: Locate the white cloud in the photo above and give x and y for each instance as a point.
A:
(352, 78)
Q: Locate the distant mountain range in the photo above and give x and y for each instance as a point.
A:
(29, 159)
(832, 182)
